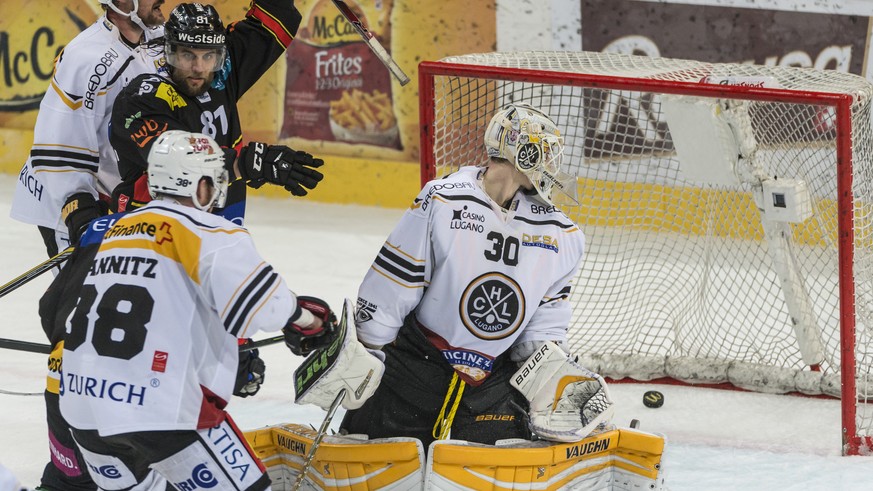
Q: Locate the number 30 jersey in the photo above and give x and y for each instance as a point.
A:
(479, 278)
(151, 308)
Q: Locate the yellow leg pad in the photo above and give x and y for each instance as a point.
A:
(341, 463)
(615, 459)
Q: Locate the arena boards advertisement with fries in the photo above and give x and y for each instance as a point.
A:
(336, 88)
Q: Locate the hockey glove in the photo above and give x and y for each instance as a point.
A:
(250, 374)
(278, 164)
(78, 212)
(304, 340)
(567, 401)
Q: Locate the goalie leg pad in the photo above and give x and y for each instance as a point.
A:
(341, 462)
(615, 459)
(567, 401)
(352, 367)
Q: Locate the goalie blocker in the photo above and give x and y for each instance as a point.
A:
(567, 401)
(345, 363)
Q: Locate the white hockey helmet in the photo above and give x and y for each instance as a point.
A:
(178, 160)
(132, 14)
(529, 139)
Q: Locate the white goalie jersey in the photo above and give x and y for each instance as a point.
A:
(151, 344)
(507, 281)
(71, 151)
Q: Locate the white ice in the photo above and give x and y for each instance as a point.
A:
(717, 440)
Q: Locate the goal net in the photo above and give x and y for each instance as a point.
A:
(726, 208)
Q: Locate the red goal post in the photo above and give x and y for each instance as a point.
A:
(728, 213)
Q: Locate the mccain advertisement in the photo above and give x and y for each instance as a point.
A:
(725, 34)
(30, 39)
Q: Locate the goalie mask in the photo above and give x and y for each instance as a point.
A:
(531, 141)
(178, 160)
(198, 26)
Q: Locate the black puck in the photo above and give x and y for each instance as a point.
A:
(653, 398)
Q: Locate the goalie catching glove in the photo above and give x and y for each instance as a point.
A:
(567, 402)
(294, 170)
(314, 326)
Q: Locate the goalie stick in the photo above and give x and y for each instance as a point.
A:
(322, 430)
(36, 271)
(372, 42)
(46, 349)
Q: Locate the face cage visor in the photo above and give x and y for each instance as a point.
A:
(184, 59)
(540, 158)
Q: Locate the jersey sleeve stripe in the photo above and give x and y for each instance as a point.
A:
(66, 154)
(38, 163)
(253, 303)
(562, 295)
(395, 280)
(403, 276)
(249, 298)
(72, 101)
(411, 267)
(262, 301)
(273, 25)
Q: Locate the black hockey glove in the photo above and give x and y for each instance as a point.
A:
(78, 212)
(250, 374)
(302, 341)
(278, 164)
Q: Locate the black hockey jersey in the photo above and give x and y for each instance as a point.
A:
(150, 104)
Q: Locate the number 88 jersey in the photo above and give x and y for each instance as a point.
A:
(479, 278)
(150, 308)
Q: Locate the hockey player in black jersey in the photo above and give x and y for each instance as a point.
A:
(210, 68)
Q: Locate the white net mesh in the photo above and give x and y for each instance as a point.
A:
(678, 278)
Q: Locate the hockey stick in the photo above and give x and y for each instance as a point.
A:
(25, 346)
(36, 271)
(261, 342)
(372, 42)
(46, 349)
(322, 430)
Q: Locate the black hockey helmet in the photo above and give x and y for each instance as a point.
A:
(195, 25)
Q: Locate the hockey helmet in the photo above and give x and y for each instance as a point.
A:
(178, 160)
(529, 139)
(195, 25)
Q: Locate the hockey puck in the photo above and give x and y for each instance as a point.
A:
(653, 398)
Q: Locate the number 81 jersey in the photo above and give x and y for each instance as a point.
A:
(479, 278)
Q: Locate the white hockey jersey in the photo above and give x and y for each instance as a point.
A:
(479, 278)
(71, 151)
(151, 344)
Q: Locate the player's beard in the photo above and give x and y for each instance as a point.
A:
(153, 17)
(188, 87)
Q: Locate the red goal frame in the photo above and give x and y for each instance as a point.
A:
(853, 444)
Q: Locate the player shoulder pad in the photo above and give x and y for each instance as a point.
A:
(156, 89)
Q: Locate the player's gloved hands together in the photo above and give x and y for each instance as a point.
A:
(314, 328)
(78, 212)
(277, 164)
(250, 374)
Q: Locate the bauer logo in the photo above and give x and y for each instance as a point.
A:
(492, 306)
(201, 478)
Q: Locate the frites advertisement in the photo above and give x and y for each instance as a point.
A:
(336, 88)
